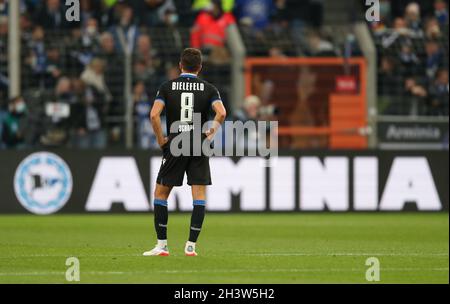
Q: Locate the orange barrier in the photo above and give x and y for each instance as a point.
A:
(347, 112)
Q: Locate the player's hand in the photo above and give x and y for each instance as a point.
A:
(209, 134)
(163, 142)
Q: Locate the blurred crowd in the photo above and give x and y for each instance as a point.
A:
(73, 84)
(74, 74)
(412, 40)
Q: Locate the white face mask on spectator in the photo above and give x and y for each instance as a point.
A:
(91, 30)
(173, 19)
(19, 107)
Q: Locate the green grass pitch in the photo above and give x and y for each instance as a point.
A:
(233, 248)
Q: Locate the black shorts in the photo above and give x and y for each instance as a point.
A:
(171, 172)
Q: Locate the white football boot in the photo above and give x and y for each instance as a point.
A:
(160, 249)
(189, 249)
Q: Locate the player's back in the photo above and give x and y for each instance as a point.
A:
(184, 97)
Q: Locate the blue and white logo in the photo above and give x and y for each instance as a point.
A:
(43, 183)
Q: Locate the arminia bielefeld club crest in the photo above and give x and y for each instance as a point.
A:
(43, 183)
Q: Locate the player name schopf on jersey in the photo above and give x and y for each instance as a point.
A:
(187, 86)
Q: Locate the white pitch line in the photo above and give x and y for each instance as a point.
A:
(344, 254)
(53, 273)
(297, 270)
(69, 255)
(262, 254)
(206, 271)
(29, 274)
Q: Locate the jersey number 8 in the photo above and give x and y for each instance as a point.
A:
(187, 107)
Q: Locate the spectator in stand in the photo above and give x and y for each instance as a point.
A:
(51, 15)
(276, 52)
(94, 77)
(84, 44)
(255, 14)
(209, 31)
(320, 47)
(173, 37)
(142, 106)
(169, 18)
(141, 72)
(150, 13)
(434, 58)
(398, 6)
(57, 109)
(186, 13)
(126, 32)
(145, 64)
(299, 13)
(64, 91)
(100, 94)
(110, 13)
(26, 25)
(296, 16)
(144, 52)
(390, 85)
(114, 78)
(167, 14)
(90, 39)
(385, 11)
(441, 12)
(14, 124)
(37, 58)
(88, 130)
(54, 69)
(400, 26)
(3, 26)
(264, 86)
(432, 29)
(250, 109)
(4, 84)
(409, 61)
(308, 112)
(90, 9)
(415, 96)
(379, 27)
(107, 48)
(400, 31)
(439, 97)
(3, 8)
(249, 112)
(412, 17)
(389, 80)
(420, 46)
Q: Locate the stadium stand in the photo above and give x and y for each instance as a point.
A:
(413, 57)
(74, 75)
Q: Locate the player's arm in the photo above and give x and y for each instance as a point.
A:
(155, 117)
(219, 118)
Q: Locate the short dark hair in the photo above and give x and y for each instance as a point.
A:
(191, 60)
(14, 99)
